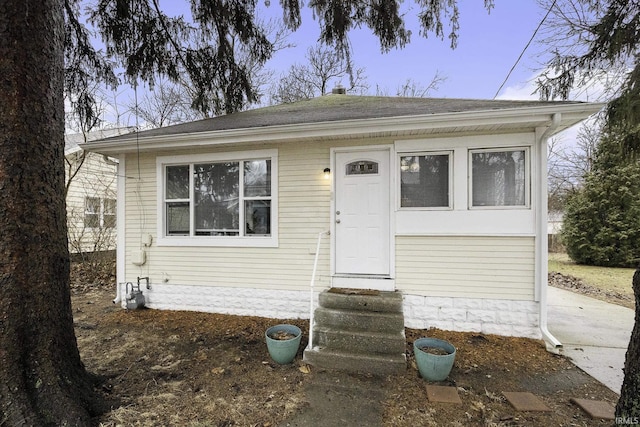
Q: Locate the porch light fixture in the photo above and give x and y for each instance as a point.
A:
(327, 173)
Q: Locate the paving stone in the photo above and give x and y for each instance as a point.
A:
(439, 393)
(525, 401)
(596, 408)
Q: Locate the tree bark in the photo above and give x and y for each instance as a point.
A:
(628, 407)
(42, 380)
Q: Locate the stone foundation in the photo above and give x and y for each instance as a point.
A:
(277, 304)
(489, 316)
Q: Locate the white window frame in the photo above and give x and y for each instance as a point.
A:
(92, 212)
(100, 213)
(110, 213)
(215, 241)
(449, 206)
(527, 177)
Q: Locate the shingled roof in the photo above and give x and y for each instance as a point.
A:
(338, 116)
(331, 108)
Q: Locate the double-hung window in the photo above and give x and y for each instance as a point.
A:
(220, 200)
(109, 213)
(500, 177)
(99, 213)
(92, 212)
(425, 180)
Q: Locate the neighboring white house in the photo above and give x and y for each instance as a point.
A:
(554, 224)
(91, 194)
(443, 200)
(554, 229)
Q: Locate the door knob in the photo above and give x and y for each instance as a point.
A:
(337, 221)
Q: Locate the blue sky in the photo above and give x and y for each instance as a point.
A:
(488, 46)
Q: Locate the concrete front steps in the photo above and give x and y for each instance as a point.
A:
(359, 330)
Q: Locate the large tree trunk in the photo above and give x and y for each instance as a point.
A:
(42, 380)
(628, 406)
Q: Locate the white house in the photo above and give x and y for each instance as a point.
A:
(91, 184)
(441, 200)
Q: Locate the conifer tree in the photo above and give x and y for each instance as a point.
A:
(46, 49)
(602, 219)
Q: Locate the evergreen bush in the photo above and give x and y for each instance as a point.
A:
(602, 219)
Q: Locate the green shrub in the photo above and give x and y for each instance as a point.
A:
(602, 219)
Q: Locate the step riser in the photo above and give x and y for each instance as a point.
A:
(360, 321)
(386, 302)
(360, 343)
(357, 364)
(354, 332)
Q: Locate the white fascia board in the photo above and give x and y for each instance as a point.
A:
(72, 150)
(540, 115)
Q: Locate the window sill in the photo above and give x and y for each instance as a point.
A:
(424, 208)
(205, 241)
(500, 208)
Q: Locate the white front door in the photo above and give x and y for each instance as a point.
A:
(362, 213)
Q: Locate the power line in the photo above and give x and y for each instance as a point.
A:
(525, 48)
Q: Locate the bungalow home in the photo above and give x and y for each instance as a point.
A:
(91, 187)
(440, 201)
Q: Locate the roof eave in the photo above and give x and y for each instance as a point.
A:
(72, 150)
(540, 116)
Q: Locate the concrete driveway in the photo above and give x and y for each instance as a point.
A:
(594, 334)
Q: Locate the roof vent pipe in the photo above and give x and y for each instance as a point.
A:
(339, 90)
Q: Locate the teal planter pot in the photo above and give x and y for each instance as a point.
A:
(434, 367)
(283, 351)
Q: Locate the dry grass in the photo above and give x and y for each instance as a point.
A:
(172, 368)
(188, 369)
(608, 279)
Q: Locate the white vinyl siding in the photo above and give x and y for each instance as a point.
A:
(466, 267)
(139, 219)
(427, 264)
(96, 179)
(303, 212)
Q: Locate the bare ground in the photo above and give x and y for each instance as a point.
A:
(169, 368)
(575, 284)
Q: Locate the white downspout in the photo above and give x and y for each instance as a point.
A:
(542, 254)
(109, 161)
(313, 279)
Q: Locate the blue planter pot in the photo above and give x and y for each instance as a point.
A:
(434, 367)
(283, 351)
